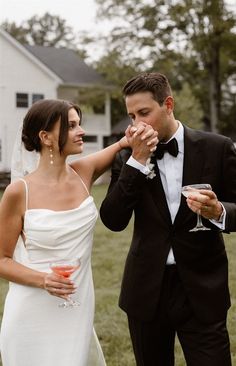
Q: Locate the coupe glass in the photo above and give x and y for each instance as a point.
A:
(65, 268)
(196, 189)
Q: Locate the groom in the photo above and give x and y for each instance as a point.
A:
(175, 281)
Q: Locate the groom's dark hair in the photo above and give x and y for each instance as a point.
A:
(152, 82)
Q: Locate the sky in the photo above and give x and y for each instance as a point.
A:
(79, 14)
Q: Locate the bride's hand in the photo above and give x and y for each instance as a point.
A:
(58, 285)
(126, 140)
(145, 133)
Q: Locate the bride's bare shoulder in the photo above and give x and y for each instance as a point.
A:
(14, 190)
(12, 199)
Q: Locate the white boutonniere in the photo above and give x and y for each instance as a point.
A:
(150, 166)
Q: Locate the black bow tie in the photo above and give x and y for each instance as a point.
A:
(171, 147)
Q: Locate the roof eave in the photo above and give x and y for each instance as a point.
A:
(30, 56)
(86, 85)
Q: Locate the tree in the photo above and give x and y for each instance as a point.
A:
(117, 73)
(197, 34)
(16, 31)
(207, 26)
(187, 108)
(48, 30)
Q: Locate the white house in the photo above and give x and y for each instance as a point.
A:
(29, 73)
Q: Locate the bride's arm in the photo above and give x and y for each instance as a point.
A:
(94, 165)
(11, 219)
(10, 229)
(90, 167)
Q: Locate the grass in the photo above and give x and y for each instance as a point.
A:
(109, 253)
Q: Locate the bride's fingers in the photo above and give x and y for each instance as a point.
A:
(59, 286)
(152, 149)
(132, 129)
(129, 131)
(63, 286)
(139, 130)
(153, 141)
(61, 292)
(150, 133)
(55, 278)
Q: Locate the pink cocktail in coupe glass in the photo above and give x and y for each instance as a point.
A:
(65, 268)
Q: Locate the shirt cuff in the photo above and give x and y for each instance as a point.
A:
(221, 222)
(135, 164)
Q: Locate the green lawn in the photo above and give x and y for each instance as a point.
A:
(109, 254)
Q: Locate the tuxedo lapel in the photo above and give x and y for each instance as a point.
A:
(158, 194)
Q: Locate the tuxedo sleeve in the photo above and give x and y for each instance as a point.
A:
(123, 193)
(229, 178)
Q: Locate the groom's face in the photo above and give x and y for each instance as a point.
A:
(142, 107)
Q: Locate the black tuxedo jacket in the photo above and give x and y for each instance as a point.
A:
(200, 256)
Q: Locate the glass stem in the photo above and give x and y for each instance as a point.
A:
(199, 220)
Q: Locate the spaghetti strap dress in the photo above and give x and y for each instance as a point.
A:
(35, 331)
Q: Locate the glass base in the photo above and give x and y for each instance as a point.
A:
(200, 228)
(69, 304)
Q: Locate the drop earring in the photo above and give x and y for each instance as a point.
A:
(51, 155)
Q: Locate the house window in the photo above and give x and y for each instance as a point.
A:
(22, 100)
(90, 138)
(36, 97)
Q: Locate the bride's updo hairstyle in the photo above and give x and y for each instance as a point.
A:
(42, 116)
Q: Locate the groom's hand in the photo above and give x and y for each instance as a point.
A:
(206, 203)
(143, 140)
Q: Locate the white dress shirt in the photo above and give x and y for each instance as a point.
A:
(171, 173)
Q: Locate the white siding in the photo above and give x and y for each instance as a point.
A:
(96, 124)
(17, 74)
(20, 72)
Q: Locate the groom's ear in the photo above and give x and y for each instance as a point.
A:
(45, 138)
(169, 103)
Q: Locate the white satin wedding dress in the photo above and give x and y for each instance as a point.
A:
(35, 331)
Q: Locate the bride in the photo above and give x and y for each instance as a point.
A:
(50, 208)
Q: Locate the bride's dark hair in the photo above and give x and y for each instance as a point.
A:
(42, 116)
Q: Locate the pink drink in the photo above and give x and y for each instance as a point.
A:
(64, 270)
